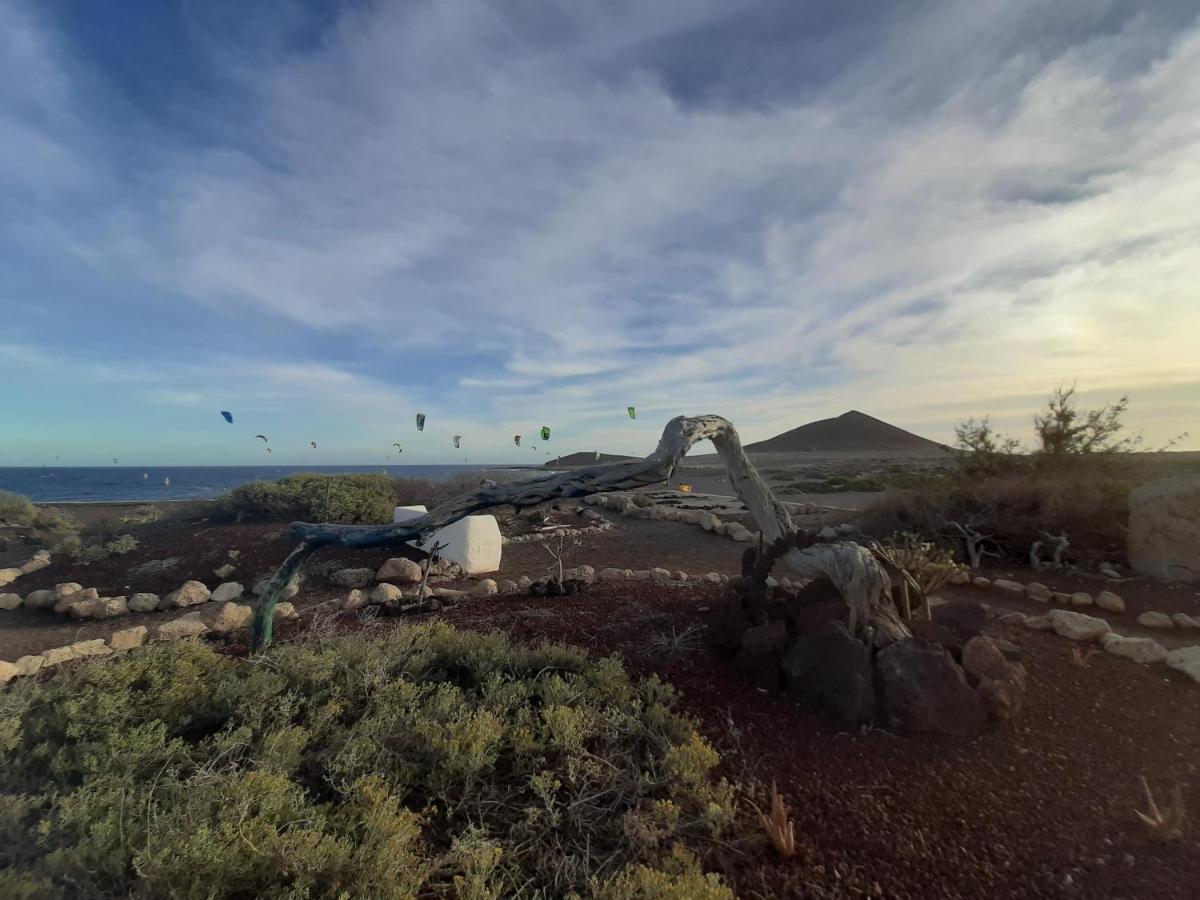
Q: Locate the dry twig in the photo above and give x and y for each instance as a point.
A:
(780, 829)
(1164, 824)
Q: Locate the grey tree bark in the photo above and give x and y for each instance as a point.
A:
(851, 568)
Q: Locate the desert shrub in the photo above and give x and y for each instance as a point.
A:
(142, 515)
(355, 498)
(46, 525)
(1012, 511)
(413, 491)
(426, 762)
(838, 484)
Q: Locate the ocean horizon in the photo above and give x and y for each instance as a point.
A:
(147, 484)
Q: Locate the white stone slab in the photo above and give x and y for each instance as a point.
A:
(474, 543)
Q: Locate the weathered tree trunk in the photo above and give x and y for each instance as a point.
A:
(851, 568)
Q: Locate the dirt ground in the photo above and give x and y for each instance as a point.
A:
(1043, 807)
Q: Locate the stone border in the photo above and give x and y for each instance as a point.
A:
(38, 561)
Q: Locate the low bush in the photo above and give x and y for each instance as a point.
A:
(1091, 507)
(46, 526)
(429, 762)
(352, 498)
(423, 491)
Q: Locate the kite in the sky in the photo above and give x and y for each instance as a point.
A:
(545, 432)
(420, 421)
(632, 410)
(457, 438)
(517, 439)
(313, 444)
(227, 415)
(399, 449)
(263, 438)
(114, 460)
(268, 449)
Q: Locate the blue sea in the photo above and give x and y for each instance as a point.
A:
(109, 484)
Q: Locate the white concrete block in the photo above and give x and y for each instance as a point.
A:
(474, 543)
(404, 513)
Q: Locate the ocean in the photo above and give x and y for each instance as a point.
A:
(111, 484)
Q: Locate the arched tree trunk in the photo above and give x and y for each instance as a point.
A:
(851, 568)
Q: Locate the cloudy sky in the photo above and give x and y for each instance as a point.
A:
(327, 217)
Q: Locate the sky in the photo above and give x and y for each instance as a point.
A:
(326, 217)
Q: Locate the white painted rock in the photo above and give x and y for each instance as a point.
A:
(1183, 620)
(1110, 602)
(473, 543)
(1013, 587)
(386, 593)
(227, 592)
(405, 513)
(485, 588)
(405, 571)
(190, 593)
(1139, 649)
(1081, 598)
(1077, 626)
(128, 638)
(1187, 661)
(1163, 537)
(1153, 619)
(40, 599)
(143, 602)
(29, 665)
(10, 601)
(179, 629)
(230, 617)
(1035, 590)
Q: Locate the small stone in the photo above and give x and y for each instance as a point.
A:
(1081, 598)
(1035, 590)
(285, 612)
(1139, 649)
(1013, 587)
(99, 608)
(1183, 620)
(128, 638)
(353, 578)
(28, 665)
(1152, 619)
(57, 655)
(40, 599)
(1077, 626)
(190, 593)
(981, 582)
(445, 593)
(679, 576)
(143, 602)
(10, 601)
(356, 599)
(67, 587)
(1038, 623)
(961, 576)
(8, 576)
(1108, 571)
(419, 593)
(66, 602)
(713, 578)
(508, 586)
(1012, 618)
(231, 617)
(398, 568)
(524, 583)
(486, 588)
(179, 629)
(95, 647)
(1186, 660)
(1110, 602)
(386, 593)
(983, 659)
(225, 571)
(660, 575)
(1062, 597)
(227, 592)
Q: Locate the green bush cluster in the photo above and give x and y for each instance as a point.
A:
(46, 525)
(428, 762)
(357, 499)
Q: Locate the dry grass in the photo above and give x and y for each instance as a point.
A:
(779, 827)
(1164, 824)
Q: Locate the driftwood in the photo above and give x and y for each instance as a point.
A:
(851, 568)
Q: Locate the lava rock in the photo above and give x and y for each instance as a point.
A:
(832, 668)
(924, 689)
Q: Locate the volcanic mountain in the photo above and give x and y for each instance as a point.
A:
(585, 459)
(852, 431)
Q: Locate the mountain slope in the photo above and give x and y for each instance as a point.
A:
(851, 431)
(586, 459)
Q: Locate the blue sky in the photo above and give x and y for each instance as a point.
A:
(326, 217)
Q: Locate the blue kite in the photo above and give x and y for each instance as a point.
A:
(228, 416)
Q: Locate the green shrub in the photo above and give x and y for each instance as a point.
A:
(414, 491)
(428, 762)
(47, 526)
(1090, 507)
(16, 509)
(359, 498)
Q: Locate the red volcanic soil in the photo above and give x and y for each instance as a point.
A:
(1042, 807)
